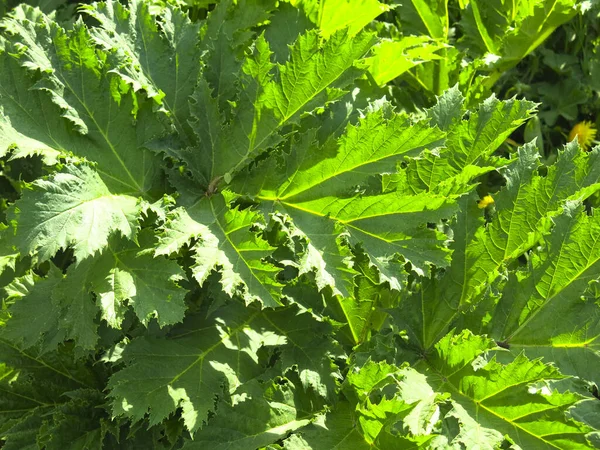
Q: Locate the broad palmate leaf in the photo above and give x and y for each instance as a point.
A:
(74, 209)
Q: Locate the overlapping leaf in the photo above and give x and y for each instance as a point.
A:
(74, 209)
(226, 243)
(315, 74)
(256, 416)
(481, 252)
(550, 310)
(207, 359)
(518, 399)
(301, 209)
(314, 189)
(470, 143)
(164, 63)
(35, 409)
(75, 78)
(511, 31)
(123, 276)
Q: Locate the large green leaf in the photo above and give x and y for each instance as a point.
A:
(392, 58)
(482, 252)
(207, 359)
(222, 234)
(469, 148)
(123, 276)
(518, 399)
(524, 206)
(74, 209)
(551, 309)
(75, 78)
(315, 190)
(315, 74)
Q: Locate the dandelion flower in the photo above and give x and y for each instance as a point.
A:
(585, 132)
(485, 201)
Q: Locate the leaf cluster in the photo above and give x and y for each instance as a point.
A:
(228, 237)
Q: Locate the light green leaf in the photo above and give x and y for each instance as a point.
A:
(473, 141)
(127, 275)
(513, 30)
(315, 190)
(524, 207)
(550, 310)
(315, 74)
(392, 58)
(74, 209)
(353, 15)
(522, 212)
(29, 124)
(518, 399)
(425, 18)
(336, 432)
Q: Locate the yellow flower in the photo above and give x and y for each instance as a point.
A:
(585, 132)
(485, 201)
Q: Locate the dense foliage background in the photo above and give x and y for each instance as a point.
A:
(334, 224)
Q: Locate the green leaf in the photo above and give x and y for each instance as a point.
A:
(314, 189)
(393, 58)
(162, 62)
(425, 17)
(524, 206)
(518, 399)
(74, 209)
(522, 212)
(36, 409)
(257, 416)
(315, 74)
(42, 329)
(337, 432)
(22, 114)
(352, 15)
(76, 79)
(206, 359)
(473, 141)
(227, 242)
(408, 399)
(550, 309)
(127, 275)
(123, 276)
(82, 410)
(512, 31)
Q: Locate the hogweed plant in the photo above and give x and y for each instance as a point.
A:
(233, 241)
